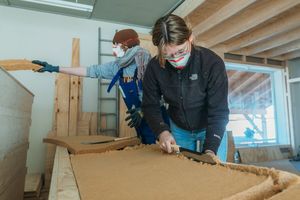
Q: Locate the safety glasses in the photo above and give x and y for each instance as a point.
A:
(179, 53)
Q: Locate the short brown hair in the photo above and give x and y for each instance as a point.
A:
(127, 37)
(170, 29)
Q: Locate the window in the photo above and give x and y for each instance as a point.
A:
(256, 97)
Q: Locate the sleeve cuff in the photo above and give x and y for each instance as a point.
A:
(162, 127)
(213, 140)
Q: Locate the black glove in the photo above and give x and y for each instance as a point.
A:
(135, 117)
(46, 67)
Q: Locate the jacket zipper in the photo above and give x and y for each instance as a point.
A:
(181, 97)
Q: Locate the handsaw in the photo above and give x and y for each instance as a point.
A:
(197, 156)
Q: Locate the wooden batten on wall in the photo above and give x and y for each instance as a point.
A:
(68, 118)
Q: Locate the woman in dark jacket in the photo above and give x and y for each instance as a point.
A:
(193, 81)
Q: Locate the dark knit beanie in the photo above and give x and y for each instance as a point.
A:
(127, 37)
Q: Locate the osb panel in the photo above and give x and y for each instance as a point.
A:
(147, 173)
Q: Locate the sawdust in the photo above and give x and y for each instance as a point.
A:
(144, 172)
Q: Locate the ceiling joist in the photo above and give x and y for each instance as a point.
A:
(245, 21)
(287, 48)
(221, 15)
(272, 42)
(187, 7)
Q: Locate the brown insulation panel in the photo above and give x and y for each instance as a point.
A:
(75, 145)
(145, 172)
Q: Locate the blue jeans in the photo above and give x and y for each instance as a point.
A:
(188, 139)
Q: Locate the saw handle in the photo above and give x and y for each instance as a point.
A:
(175, 147)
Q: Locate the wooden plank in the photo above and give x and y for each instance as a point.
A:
(146, 42)
(80, 84)
(74, 89)
(284, 49)
(187, 7)
(261, 12)
(55, 107)
(280, 26)
(261, 154)
(63, 94)
(83, 127)
(291, 55)
(230, 148)
(229, 10)
(18, 64)
(63, 184)
(33, 185)
(124, 129)
(93, 123)
(84, 124)
(103, 122)
(77, 144)
(49, 160)
(202, 12)
(272, 42)
(74, 97)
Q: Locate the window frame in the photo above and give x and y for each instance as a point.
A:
(279, 98)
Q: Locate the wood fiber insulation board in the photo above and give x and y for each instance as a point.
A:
(145, 172)
(74, 89)
(75, 146)
(291, 193)
(18, 64)
(15, 120)
(63, 184)
(15, 190)
(11, 165)
(15, 113)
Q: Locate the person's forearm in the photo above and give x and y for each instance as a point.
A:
(77, 71)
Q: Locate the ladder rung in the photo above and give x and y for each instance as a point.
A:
(104, 83)
(105, 40)
(108, 98)
(106, 54)
(105, 114)
(106, 130)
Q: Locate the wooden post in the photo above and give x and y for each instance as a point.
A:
(74, 90)
(63, 97)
